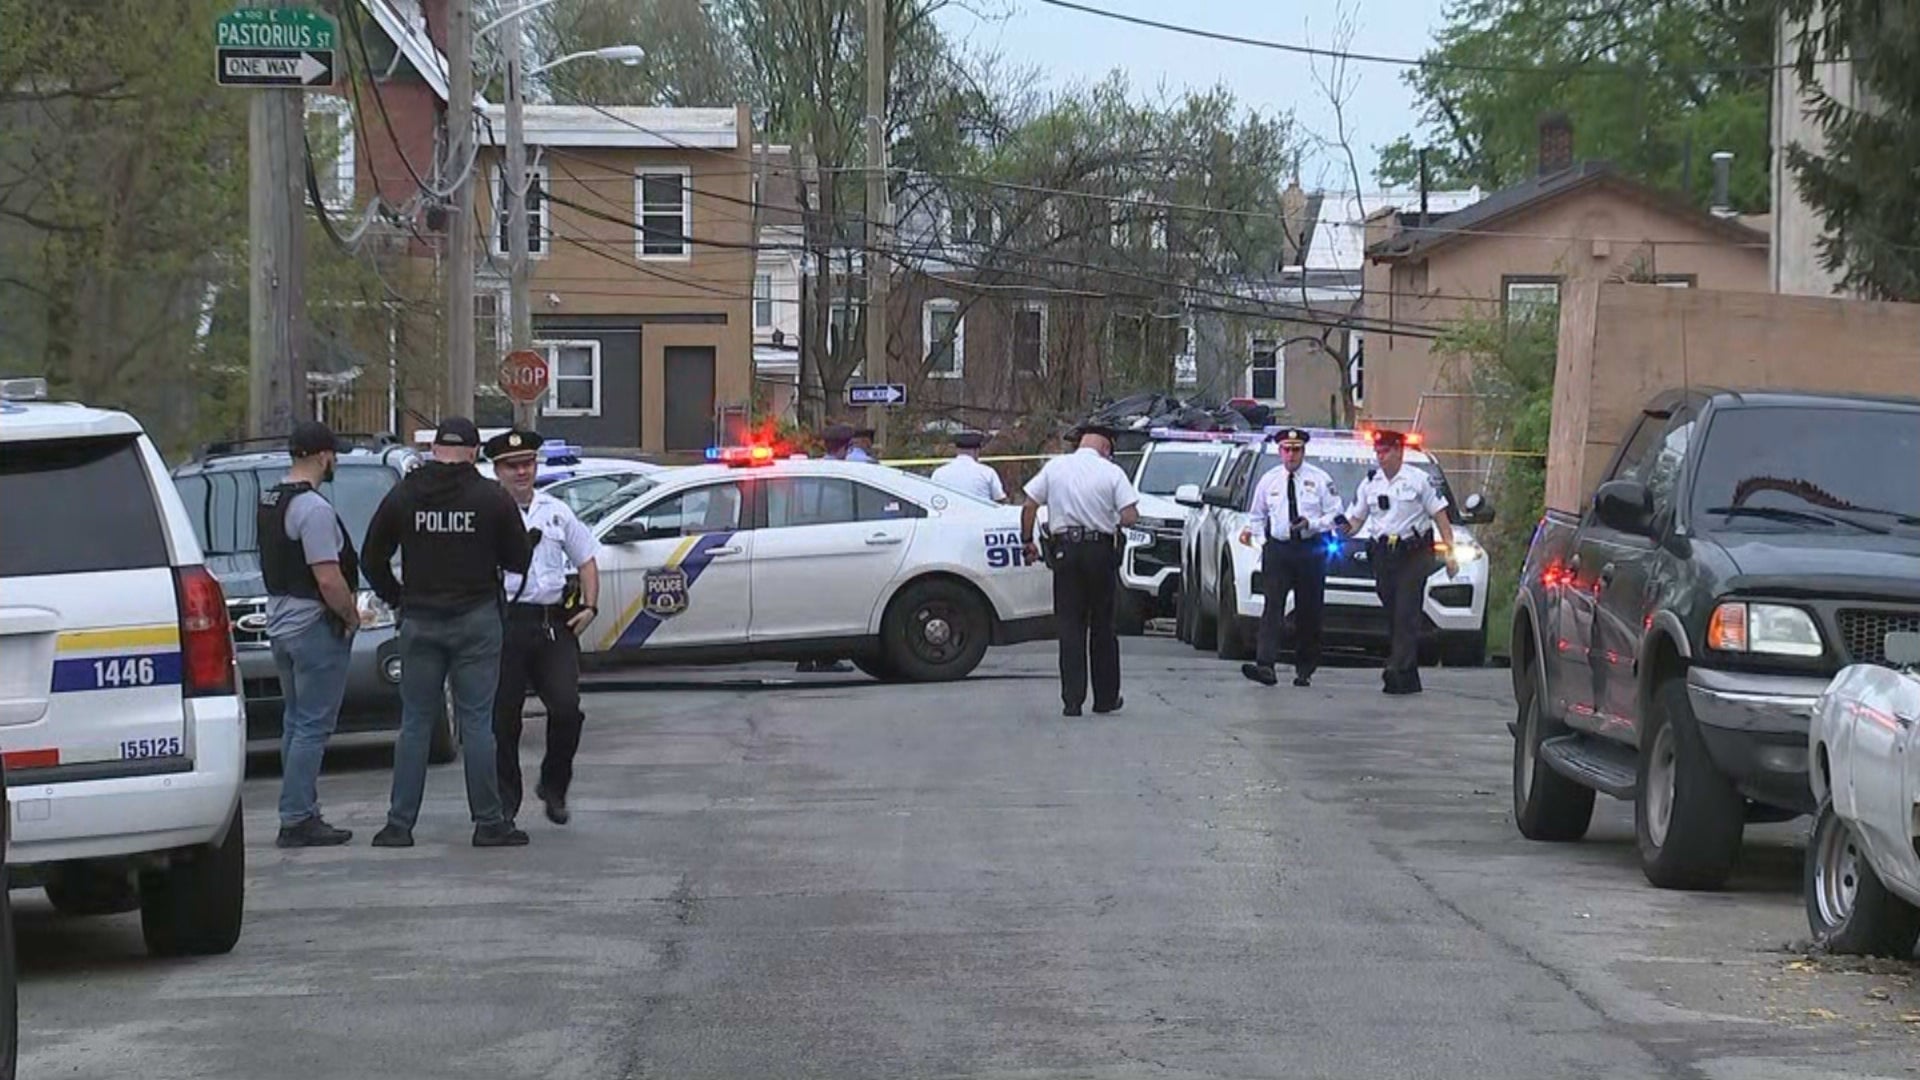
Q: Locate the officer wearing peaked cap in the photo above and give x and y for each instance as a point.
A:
(1293, 509)
(862, 445)
(966, 474)
(1404, 508)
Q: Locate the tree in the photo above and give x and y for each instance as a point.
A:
(692, 61)
(1653, 86)
(1862, 184)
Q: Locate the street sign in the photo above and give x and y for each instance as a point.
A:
(877, 394)
(523, 376)
(286, 47)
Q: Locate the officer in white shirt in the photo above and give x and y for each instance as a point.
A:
(541, 645)
(1404, 509)
(1089, 500)
(966, 474)
(1293, 509)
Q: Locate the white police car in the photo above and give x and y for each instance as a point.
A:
(1221, 587)
(123, 734)
(1150, 561)
(759, 557)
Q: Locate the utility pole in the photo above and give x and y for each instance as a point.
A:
(461, 162)
(878, 208)
(514, 207)
(276, 257)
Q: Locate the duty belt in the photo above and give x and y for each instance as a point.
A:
(1074, 534)
(1410, 541)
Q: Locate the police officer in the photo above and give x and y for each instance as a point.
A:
(312, 576)
(1089, 500)
(541, 644)
(839, 443)
(455, 531)
(966, 474)
(862, 447)
(1401, 510)
(1294, 506)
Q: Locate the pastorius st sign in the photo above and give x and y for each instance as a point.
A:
(288, 47)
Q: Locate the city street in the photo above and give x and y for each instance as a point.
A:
(778, 875)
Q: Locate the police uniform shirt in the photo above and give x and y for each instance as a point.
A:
(969, 477)
(1412, 502)
(564, 541)
(1314, 499)
(854, 453)
(1082, 489)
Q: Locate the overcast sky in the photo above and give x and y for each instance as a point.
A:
(1069, 46)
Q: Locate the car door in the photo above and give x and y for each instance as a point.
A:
(676, 570)
(1589, 645)
(1217, 531)
(1628, 574)
(826, 550)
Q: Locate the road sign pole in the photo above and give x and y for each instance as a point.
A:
(514, 207)
(276, 249)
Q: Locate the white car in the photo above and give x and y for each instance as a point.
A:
(1150, 561)
(764, 558)
(121, 723)
(1221, 576)
(1863, 861)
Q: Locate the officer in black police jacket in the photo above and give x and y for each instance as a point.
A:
(456, 532)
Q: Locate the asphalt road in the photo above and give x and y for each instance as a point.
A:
(833, 878)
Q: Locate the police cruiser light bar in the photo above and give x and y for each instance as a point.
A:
(738, 456)
(28, 389)
(1162, 434)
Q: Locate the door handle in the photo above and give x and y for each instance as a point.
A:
(883, 540)
(1606, 574)
(1574, 563)
(723, 551)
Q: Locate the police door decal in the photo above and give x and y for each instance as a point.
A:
(666, 591)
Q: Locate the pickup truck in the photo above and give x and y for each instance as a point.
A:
(1671, 644)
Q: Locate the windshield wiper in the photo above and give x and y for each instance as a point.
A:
(1899, 516)
(1780, 513)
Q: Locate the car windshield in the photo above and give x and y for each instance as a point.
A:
(222, 504)
(597, 511)
(1811, 469)
(1166, 470)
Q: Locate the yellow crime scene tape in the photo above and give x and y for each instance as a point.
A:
(900, 463)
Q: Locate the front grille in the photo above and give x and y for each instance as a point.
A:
(1864, 632)
(240, 609)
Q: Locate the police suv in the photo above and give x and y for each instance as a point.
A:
(1150, 562)
(760, 557)
(121, 727)
(1222, 599)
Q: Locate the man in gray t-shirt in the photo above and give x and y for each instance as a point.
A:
(311, 573)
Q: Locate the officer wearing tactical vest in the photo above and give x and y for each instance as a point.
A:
(1401, 509)
(311, 574)
(456, 532)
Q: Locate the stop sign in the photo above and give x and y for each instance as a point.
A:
(523, 376)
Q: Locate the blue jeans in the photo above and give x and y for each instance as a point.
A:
(461, 651)
(313, 680)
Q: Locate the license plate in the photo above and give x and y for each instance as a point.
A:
(140, 749)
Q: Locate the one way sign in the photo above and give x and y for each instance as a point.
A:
(275, 67)
(877, 394)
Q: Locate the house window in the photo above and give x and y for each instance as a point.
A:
(330, 139)
(944, 338)
(762, 301)
(574, 368)
(843, 322)
(1186, 368)
(1266, 373)
(1030, 339)
(490, 325)
(1675, 281)
(665, 200)
(1527, 297)
(537, 231)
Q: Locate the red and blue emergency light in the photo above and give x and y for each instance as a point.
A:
(739, 456)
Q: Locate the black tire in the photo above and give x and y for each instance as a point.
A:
(1183, 613)
(1129, 613)
(1849, 908)
(1467, 650)
(1231, 642)
(9, 988)
(936, 631)
(1206, 628)
(1687, 816)
(445, 746)
(82, 891)
(1546, 805)
(877, 667)
(195, 906)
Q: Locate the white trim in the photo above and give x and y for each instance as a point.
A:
(549, 404)
(341, 112)
(959, 339)
(685, 174)
(627, 126)
(1041, 307)
(414, 43)
(539, 249)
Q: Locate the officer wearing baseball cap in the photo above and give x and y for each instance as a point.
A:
(455, 531)
(1293, 509)
(1404, 508)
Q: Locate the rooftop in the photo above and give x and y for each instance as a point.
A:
(637, 126)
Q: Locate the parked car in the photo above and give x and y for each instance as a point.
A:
(1150, 561)
(221, 489)
(121, 723)
(1670, 644)
(1863, 860)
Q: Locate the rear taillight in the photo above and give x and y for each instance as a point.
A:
(206, 638)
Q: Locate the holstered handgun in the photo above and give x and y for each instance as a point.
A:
(1050, 552)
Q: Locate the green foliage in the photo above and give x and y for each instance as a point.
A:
(692, 61)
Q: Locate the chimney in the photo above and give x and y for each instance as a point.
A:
(1722, 179)
(1556, 143)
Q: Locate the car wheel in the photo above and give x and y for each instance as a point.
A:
(935, 631)
(1206, 628)
(1687, 817)
(1183, 613)
(1129, 613)
(1848, 907)
(1232, 639)
(82, 890)
(1465, 650)
(1546, 805)
(877, 667)
(445, 745)
(194, 907)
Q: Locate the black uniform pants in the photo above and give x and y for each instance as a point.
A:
(537, 650)
(1400, 573)
(1084, 583)
(1298, 567)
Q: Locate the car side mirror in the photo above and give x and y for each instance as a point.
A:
(1187, 495)
(1476, 510)
(1625, 506)
(1218, 495)
(1903, 648)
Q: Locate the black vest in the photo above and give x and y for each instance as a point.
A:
(283, 562)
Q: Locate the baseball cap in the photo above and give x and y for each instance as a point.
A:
(457, 431)
(310, 437)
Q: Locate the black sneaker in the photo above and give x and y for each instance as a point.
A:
(498, 834)
(312, 832)
(393, 836)
(1260, 674)
(1115, 707)
(557, 811)
(1303, 680)
(1070, 710)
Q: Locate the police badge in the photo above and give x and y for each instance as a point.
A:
(665, 592)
